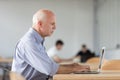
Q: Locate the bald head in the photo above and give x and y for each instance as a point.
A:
(44, 22)
(42, 15)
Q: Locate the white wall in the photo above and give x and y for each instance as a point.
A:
(108, 26)
(74, 23)
(112, 54)
(109, 23)
(83, 31)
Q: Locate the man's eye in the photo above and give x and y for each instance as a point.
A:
(53, 24)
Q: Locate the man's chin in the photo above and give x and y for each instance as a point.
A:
(49, 35)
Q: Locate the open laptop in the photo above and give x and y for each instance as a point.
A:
(99, 66)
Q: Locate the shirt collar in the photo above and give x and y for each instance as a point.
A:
(37, 36)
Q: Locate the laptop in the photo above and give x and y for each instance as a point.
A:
(99, 66)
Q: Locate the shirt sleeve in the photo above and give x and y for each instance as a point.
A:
(54, 68)
(36, 56)
(52, 52)
(79, 53)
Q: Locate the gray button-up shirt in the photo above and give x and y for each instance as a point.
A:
(31, 59)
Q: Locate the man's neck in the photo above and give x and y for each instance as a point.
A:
(39, 32)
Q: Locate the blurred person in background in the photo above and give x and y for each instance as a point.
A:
(55, 50)
(84, 54)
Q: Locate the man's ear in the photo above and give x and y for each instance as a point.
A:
(40, 23)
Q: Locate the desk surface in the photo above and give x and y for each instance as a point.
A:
(6, 60)
(105, 75)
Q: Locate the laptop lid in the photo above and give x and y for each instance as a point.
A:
(101, 59)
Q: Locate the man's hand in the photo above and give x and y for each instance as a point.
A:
(80, 68)
(72, 68)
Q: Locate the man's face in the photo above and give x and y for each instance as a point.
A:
(84, 49)
(59, 47)
(49, 25)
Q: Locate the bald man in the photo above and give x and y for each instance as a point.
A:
(31, 59)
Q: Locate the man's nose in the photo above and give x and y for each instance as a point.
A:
(54, 27)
